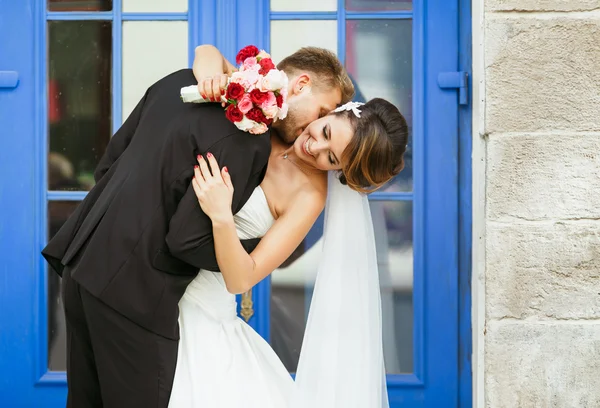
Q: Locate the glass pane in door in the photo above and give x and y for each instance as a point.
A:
(58, 212)
(151, 50)
(379, 59)
(79, 101)
(290, 35)
(79, 5)
(155, 6)
(292, 286)
(378, 5)
(305, 5)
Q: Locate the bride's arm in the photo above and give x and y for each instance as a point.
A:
(241, 271)
(211, 70)
(209, 60)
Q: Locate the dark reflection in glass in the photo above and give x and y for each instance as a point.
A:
(292, 287)
(378, 5)
(79, 105)
(389, 42)
(58, 212)
(78, 5)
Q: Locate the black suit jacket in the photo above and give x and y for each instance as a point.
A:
(139, 237)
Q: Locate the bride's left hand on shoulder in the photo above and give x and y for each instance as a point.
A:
(213, 189)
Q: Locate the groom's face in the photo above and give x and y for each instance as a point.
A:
(306, 103)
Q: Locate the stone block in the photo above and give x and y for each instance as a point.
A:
(541, 5)
(542, 74)
(543, 271)
(542, 365)
(546, 176)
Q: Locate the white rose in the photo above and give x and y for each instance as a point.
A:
(263, 54)
(270, 111)
(274, 80)
(283, 111)
(245, 124)
(236, 77)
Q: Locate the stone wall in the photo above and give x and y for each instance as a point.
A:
(542, 203)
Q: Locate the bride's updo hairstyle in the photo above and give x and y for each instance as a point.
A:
(376, 152)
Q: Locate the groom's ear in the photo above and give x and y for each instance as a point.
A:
(301, 83)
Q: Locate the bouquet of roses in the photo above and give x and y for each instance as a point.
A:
(255, 95)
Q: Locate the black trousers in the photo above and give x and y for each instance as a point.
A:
(111, 361)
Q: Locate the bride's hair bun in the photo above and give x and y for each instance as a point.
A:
(376, 152)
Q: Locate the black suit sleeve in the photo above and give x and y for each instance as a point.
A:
(120, 140)
(190, 229)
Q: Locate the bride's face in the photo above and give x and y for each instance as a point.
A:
(322, 142)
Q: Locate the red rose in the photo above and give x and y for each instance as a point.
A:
(258, 97)
(256, 115)
(266, 64)
(235, 91)
(279, 99)
(233, 113)
(246, 52)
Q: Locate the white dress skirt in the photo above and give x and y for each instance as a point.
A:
(222, 362)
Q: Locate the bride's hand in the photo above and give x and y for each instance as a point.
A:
(213, 88)
(213, 189)
(211, 70)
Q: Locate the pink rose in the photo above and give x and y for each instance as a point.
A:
(259, 129)
(269, 101)
(245, 104)
(247, 79)
(249, 63)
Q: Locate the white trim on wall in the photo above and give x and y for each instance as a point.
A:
(478, 204)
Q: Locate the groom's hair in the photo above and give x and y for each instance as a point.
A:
(329, 71)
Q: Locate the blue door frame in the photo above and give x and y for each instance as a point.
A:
(465, 211)
(442, 160)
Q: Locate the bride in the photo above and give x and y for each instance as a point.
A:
(222, 362)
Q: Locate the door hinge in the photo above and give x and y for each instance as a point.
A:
(456, 80)
(9, 79)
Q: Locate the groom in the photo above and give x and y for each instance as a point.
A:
(137, 240)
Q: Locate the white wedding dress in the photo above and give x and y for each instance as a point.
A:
(222, 362)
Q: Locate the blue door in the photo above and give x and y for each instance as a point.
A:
(71, 71)
(82, 67)
(408, 52)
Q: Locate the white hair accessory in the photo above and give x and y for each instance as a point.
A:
(353, 106)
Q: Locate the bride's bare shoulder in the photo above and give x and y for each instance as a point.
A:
(289, 193)
(314, 191)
